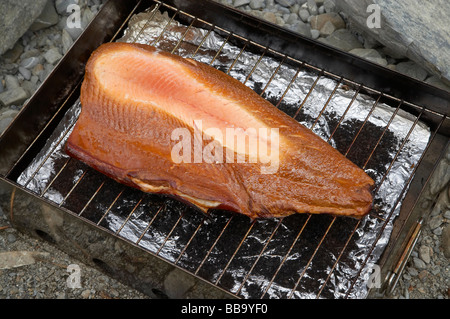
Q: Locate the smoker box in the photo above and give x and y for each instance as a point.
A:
(149, 241)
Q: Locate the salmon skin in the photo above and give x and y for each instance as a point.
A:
(165, 124)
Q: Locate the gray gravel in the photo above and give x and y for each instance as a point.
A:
(31, 268)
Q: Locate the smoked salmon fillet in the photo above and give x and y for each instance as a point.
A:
(165, 124)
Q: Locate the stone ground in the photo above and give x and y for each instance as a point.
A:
(31, 268)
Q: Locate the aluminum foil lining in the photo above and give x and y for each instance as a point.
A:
(300, 256)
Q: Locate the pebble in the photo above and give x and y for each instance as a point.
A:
(329, 6)
(312, 7)
(52, 55)
(47, 18)
(67, 40)
(285, 3)
(13, 54)
(11, 82)
(25, 73)
(318, 21)
(14, 96)
(342, 39)
(304, 14)
(239, 3)
(37, 69)
(30, 62)
(257, 4)
(315, 34)
(301, 28)
(419, 263)
(424, 253)
(370, 55)
(11, 238)
(435, 222)
(62, 5)
(327, 29)
(85, 293)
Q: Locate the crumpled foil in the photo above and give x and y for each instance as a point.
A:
(300, 256)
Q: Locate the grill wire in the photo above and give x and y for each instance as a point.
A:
(300, 256)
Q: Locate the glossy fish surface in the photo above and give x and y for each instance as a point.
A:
(175, 126)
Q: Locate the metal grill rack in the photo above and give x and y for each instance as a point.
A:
(298, 256)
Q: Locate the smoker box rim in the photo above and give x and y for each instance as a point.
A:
(134, 5)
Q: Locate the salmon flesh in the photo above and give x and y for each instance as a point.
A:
(170, 125)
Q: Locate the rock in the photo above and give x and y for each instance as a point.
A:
(419, 263)
(435, 222)
(447, 215)
(257, 4)
(11, 82)
(45, 72)
(369, 54)
(52, 55)
(317, 22)
(14, 259)
(342, 39)
(86, 17)
(15, 96)
(11, 238)
(30, 62)
(66, 40)
(25, 73)
(315, 34)
(285, 3)
(47, 18)
(13, 54)
(413, 271)
(85, 293)
(412, 69)
(424, 253)
(423, 274)
(270, 16)
(61, 295)
(301, 28)
(29, 86)
(61, 6)
(303, 14)
(366, 53)
(37, 69)
(327, 29)
(295, 8)
(239, 3)
(321, 10)
(312, 7)
(445, 241)
(15, 19)
(329, 6)
(418, 30)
